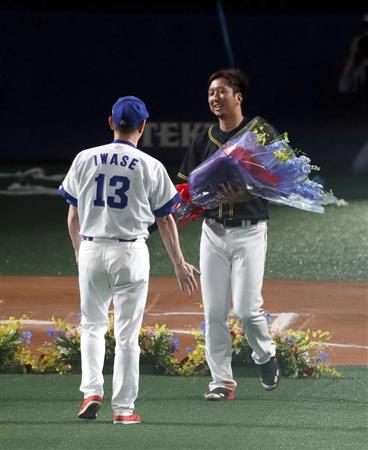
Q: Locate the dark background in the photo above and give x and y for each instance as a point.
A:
(64, 64)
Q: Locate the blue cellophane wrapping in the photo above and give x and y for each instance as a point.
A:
(260, 160)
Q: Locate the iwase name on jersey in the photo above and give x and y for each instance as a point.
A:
(116, 159)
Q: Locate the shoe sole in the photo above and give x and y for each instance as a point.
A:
(268, 387)
(215, 398)
(90, 412)
(120, 422)
(271, 387)
(218, 397)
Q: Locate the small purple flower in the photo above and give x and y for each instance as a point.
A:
(79, 316)
(305, 169)
(291, 339)
(323, 356)
(27, 336)
(51, 332)
(268, 317)
(188, 350)
(203, 327)
(174, 346)
(310, 190)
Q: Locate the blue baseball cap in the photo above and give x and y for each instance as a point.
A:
(129, 111)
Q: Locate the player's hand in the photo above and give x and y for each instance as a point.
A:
(185, 274)
(232, 194)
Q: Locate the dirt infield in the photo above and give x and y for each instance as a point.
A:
(341, 308)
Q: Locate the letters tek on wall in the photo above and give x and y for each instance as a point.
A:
(171, 134)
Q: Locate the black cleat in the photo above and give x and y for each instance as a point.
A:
(270, 374)
(220, 393)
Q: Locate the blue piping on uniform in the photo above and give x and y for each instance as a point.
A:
(68, 198)
(168, 207)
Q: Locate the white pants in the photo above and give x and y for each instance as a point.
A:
(119, 272)
(232, 267)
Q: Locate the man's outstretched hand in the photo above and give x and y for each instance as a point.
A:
(185, 274)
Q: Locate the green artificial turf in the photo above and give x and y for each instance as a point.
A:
(301, 245)
(39, 412)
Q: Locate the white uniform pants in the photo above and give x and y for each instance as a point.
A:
(119, 272)
(232, 267)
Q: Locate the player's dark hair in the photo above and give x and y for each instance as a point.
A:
(237, 79)
(126, 128)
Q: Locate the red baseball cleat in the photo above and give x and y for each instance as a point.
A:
(90, 407)
(127, 420)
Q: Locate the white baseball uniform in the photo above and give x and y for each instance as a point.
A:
(232, 258)
(232, 265)
(118, 190)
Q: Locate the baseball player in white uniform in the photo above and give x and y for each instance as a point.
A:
(115, 193)
(232, 250)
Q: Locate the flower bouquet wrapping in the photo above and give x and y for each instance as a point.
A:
(260, 160)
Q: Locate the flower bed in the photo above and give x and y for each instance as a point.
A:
(301, 352)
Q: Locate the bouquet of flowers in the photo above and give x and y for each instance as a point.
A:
(260, 160)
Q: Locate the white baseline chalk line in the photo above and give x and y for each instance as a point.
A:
(283, 320)
(175, 313)
(330, 344)
(180, 331)
(346, 346)
(280, 323)
(200, 313)
(27, 322)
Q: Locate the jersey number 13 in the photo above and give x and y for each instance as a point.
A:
(119, 199)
